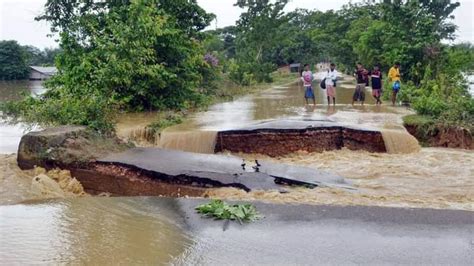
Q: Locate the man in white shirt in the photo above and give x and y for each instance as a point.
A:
(330, 80)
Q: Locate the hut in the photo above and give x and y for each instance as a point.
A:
(295, 68)
(41, 73)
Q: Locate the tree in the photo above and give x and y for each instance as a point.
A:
(257, 35)
(12, 61)
(158, 69)
(36, 57)
(129, 55)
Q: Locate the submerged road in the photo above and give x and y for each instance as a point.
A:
(303, 234)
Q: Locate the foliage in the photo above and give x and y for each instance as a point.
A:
(221, 210)
(257, 33)
(62, 109)
(13, 61)
(130, 55)
(37, 57)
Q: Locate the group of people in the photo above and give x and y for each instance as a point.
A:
(362, 76)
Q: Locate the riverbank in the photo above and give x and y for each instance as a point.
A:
(432, 133)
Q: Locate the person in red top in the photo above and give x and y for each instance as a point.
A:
(361, 75)
(376, 80)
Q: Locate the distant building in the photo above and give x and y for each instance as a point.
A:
(296, 67)
(41, 73)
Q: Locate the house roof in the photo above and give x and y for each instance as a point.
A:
(45, 70)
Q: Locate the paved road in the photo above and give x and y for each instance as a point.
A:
(292, 234)
(220, 170)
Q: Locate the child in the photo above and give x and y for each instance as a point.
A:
(307, 78)
(376, 78)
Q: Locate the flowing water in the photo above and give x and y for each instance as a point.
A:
(101, 230)
(432, 178)
(91, 231)
(192, 141)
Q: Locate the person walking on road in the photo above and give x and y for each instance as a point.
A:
(361, 75)
(394, 78)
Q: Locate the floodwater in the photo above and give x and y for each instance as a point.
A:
(101, 230)
(13, 90)
(97, 231)
(432, 178)
(287, 102)
(277, 102)
(407, 176)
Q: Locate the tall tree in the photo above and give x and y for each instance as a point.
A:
(132, 55)
(144, 54)
(12, 61)
(258, 33)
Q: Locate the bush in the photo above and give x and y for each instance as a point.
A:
(460, 111)
(88, 110)
(430, 105)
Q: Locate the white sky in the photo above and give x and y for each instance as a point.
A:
(17, 18)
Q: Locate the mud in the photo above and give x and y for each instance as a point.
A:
(36, 184)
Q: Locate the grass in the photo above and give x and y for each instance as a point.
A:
(221, 210)
(418, 120)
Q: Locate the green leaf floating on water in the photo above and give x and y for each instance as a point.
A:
(221, 210)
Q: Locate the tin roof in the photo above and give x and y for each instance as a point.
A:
(45, 70)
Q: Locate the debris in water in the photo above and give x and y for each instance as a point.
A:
(221, 210)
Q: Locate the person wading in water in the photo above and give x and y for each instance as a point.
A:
(307, 78)
(330, 80)
(362, 80)
(394, 77)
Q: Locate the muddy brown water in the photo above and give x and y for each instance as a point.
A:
(91, 230)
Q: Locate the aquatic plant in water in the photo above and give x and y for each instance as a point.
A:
(221, 210)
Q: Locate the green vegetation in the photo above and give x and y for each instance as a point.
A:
(12, 61)
(221, 210)
(102, 70)
(371, 32)
(38, 57)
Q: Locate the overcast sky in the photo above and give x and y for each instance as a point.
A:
(17, 18)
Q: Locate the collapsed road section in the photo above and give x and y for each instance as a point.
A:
(281, 137)
(107, 165)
